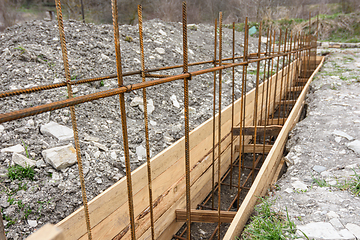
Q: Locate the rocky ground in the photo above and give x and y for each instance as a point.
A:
(324, 154)
(31, 55)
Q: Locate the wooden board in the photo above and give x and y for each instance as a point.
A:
(268, 168)
(48, 231)
(271, 130)
(259, 148)
(208, 216)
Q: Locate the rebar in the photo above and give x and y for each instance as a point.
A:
(147, 144)
(214, 122)
(73, 116)
(123, 118)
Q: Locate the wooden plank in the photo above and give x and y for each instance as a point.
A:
(296, 89)
(48, 231)
(259, 148)
(268, 168)
(271, 130)
(289, 102)
(274, 121)
(208, 216)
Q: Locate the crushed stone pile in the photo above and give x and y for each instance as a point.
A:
(30, 55)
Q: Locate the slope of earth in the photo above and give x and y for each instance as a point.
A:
(321, 186)
(30, 55)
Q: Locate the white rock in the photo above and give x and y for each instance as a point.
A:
(153, 123)
(332, 214)
(100, 146)
(338, 139)
(299, 185)
(30, 123)
(343, 134)
(288, 190)
(336, 223)
(136, 61)
(175, 101)
(141, 152)
(60, 157)
(53, 129)
(32, 223)
(150, 106)
(346, 234)
(117, 177)
(97, 154)
(191, 51)
(90, 138)
(22, 160)
(319, 169)
(56, 176)
(98, 180)
(354, 229)
(162, 32)
(321, 230)
(160, 50)
(14, 149)
(136, 101)
(113, 155)
(2, 128)
(355, 146)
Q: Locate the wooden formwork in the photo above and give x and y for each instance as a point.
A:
(109, 214)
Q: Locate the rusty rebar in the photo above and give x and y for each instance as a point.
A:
(242, 106)
(219, 124)
(147, 144)
(214, 122)
(73, 116)
(186, 113)
(281, 105)
(232, 104)
(123, 117)
(256, 101)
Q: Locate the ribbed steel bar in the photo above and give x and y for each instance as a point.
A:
(242, 108)
(73, 116)
(282, 78)
(268, 92)
(232, 104)
(123, 118)
(147, 144)
(186, 113)
(255, 118)
(219, 125)
(287, 80)
(271, 108)
(214, 123)
(264, 77)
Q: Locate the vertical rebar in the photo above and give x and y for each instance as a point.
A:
(277, 78)
(282, 78)
(219, 125)
(73, 115)
(147, 145)
(214, 122)
(271, 74)
(123, 118)
(264, 77)
(82, 11)
(256, 104)
(232, 104)
(186, 113)
(242, 110)
(268, 89)
(288, 84)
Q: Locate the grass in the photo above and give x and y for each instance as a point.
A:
(353, 185)
(20, 173)
(268, 224)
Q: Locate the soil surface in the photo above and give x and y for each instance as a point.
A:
(324, 156)
(31, 55)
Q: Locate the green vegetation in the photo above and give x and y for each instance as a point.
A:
(353, 185)
(21, 48)
(20, 173)
(128, 39)
(268, 224)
